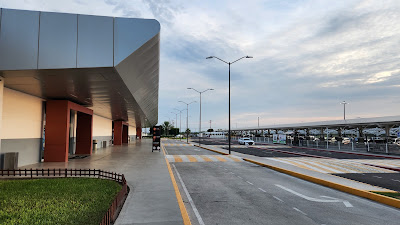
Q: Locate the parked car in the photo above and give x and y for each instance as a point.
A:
(346, 141)
(243, 141)
(397, 141)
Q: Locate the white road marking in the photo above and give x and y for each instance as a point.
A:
(298, 210)
(240, 177)
(278, 199)
(249, 182)
(395, 180)
(261, 190)
(196, 212)
(232, 173)
(347, 204)
(377, 176)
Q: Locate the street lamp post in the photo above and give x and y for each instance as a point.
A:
(344, 109)
(187, 119)
(229, 64)
(180, 120)
(200, 92)
(176, 118)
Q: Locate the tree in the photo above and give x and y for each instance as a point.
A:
(210, 130)
(166, 126)
(188, 131)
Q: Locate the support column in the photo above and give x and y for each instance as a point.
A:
(118, 132)
(125, 134)
(1, 109)
(139, 132)
(84, 131)
(57, 131)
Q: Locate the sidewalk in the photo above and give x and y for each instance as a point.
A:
(152, 198)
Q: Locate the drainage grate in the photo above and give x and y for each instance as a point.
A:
(78, 157)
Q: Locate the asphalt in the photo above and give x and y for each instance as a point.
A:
(294, 149)
(386, 180)
(244, 193)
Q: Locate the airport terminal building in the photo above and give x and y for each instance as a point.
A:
(69, 79)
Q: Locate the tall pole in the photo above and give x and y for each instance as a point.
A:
(187, 123)
(344, 109)
(187, 119)
(200, 122)
(200, 92)
(229, 132)
(229, 64)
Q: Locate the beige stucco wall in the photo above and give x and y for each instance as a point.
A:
(101, 126)
(22, 115)
(131, 130)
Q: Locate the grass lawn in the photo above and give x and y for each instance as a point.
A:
(389, 194)
(56, 201)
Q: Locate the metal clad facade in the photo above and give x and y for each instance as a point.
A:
(19, 39)
(58, 40)
(130, 34)
(95, 41)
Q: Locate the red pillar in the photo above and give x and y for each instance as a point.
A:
(118, 132)
(57, 131)
(84, 130)
(125, 134)
(139, 132)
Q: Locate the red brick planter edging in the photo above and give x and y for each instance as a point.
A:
(115, 207)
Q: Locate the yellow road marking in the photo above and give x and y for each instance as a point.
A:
(206, 158)
(185, 215)
(191, 158)
(219, 158)
(234, 159)
(177, 158)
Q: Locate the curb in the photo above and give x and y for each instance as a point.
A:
(294, 153)
(361, 193)
(222, 153)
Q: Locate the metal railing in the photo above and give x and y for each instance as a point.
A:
(116, 205)
(372, 147)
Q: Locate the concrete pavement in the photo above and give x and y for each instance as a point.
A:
(152, 199)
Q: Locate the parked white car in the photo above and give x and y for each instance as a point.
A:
(346, 141)
(243, 141)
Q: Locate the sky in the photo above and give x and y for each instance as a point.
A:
(308, 56)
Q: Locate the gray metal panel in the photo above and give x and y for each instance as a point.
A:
(19, 39)
(58, 40)
(95, 41)
(140, 73)
(130, 34)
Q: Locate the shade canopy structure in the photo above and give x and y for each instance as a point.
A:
(108, 64)
(387, 121)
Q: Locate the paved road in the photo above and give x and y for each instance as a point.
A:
(226, 192)
(330, 154)
(341, 164)
(386, 180)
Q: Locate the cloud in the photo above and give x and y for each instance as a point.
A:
(308, 56)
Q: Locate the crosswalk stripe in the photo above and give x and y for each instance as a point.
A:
(191, 158)
(234, 158)
(220, 158)
(177, 158)
(205, 158)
